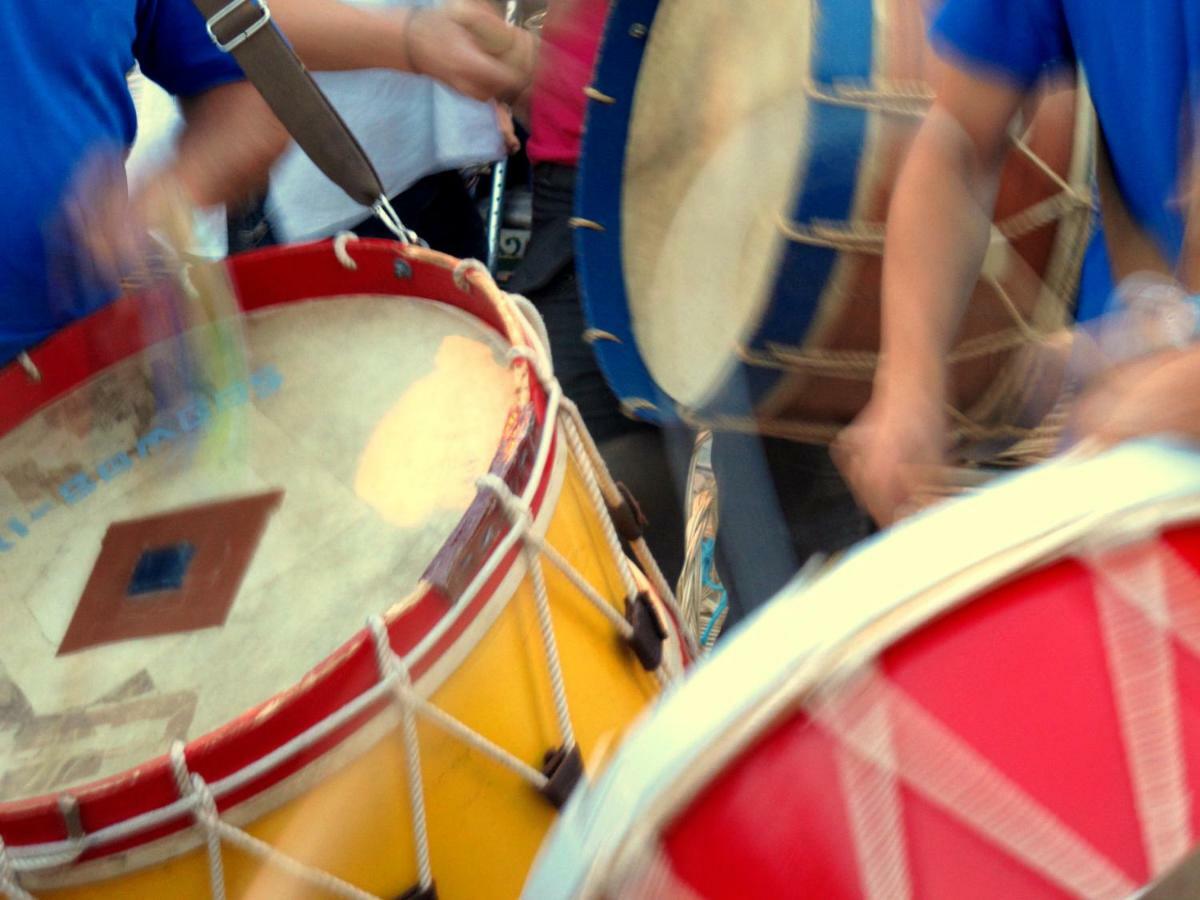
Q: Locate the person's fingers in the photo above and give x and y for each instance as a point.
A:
(483, 77)
(446, 51)
(490, 31)
(870, 480)
(100, 229)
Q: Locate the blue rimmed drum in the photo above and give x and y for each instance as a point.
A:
(735, 176)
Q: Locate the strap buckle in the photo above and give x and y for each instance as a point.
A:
(246, 33)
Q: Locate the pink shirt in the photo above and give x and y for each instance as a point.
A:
(570, 41)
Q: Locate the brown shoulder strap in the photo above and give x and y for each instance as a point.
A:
(243, 28)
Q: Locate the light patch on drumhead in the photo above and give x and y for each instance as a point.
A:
(715, 149)
(422, 458)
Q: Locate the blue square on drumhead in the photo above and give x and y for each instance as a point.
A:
(161, 569)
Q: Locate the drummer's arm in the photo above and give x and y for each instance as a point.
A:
(228, 144)
(224, 153)
(938, 230)
(939, 226)
(332, 36)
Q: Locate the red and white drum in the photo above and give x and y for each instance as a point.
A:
(998, 699)
(196, 520)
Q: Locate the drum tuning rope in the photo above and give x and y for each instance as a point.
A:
(400, 683)
(391, 666)
(511, 505)
(205, 813)
(518, 514)
(1141, 588)
(10, 885)
(199, 796)
(339, 249)
(602, 489)
(901, 741)
(1068, 200)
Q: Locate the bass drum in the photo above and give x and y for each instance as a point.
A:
(198, 519)
(1000, 698)
(736, 172)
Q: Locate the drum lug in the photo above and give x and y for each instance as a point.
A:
(646, 639)
(627, 517)
(420, 893)
(564, 769)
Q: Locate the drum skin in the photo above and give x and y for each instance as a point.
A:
(801, 357)
(1020, 676)
(1014, 713)
(342, 805)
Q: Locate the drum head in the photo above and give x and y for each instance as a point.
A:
(1010, 711)
(736, 173)
(716, 144)
(179, 549)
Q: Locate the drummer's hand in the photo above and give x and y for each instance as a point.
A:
(109, 227)
(894, 453)
(514, 47)
(1156, 395)
(445, 44)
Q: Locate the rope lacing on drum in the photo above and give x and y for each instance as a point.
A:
(398, 680)
(522, 521)
(392, 667)
(531, 539)
(1135, 587)
(205, 812)
(10, 885)
(913, 99)
(601, 487)
(340, 240)
(464, 268)
(909, 744)
(200, 799)
(203, 805)
(1143, 591)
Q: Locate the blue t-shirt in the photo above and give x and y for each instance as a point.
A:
(63, 97)
(1139, 56)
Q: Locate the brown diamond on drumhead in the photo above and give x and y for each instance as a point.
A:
(170, 573)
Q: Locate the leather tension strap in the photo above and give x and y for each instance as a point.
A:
(243, 28)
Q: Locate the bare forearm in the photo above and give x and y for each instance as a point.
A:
(938, 232)
(329, 35)
(226, 151)
(332, 36)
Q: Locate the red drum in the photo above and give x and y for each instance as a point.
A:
(999, 699)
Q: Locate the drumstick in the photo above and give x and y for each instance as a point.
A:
(211, 346)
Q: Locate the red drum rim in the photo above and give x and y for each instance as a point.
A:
(266, 744)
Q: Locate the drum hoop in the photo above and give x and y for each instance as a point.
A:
(299, 727)
(681, 776)
(599, 211)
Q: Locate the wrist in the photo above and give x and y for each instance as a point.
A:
(407, 62)
(904, 379)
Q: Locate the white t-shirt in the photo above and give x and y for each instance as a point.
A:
(409, 125)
